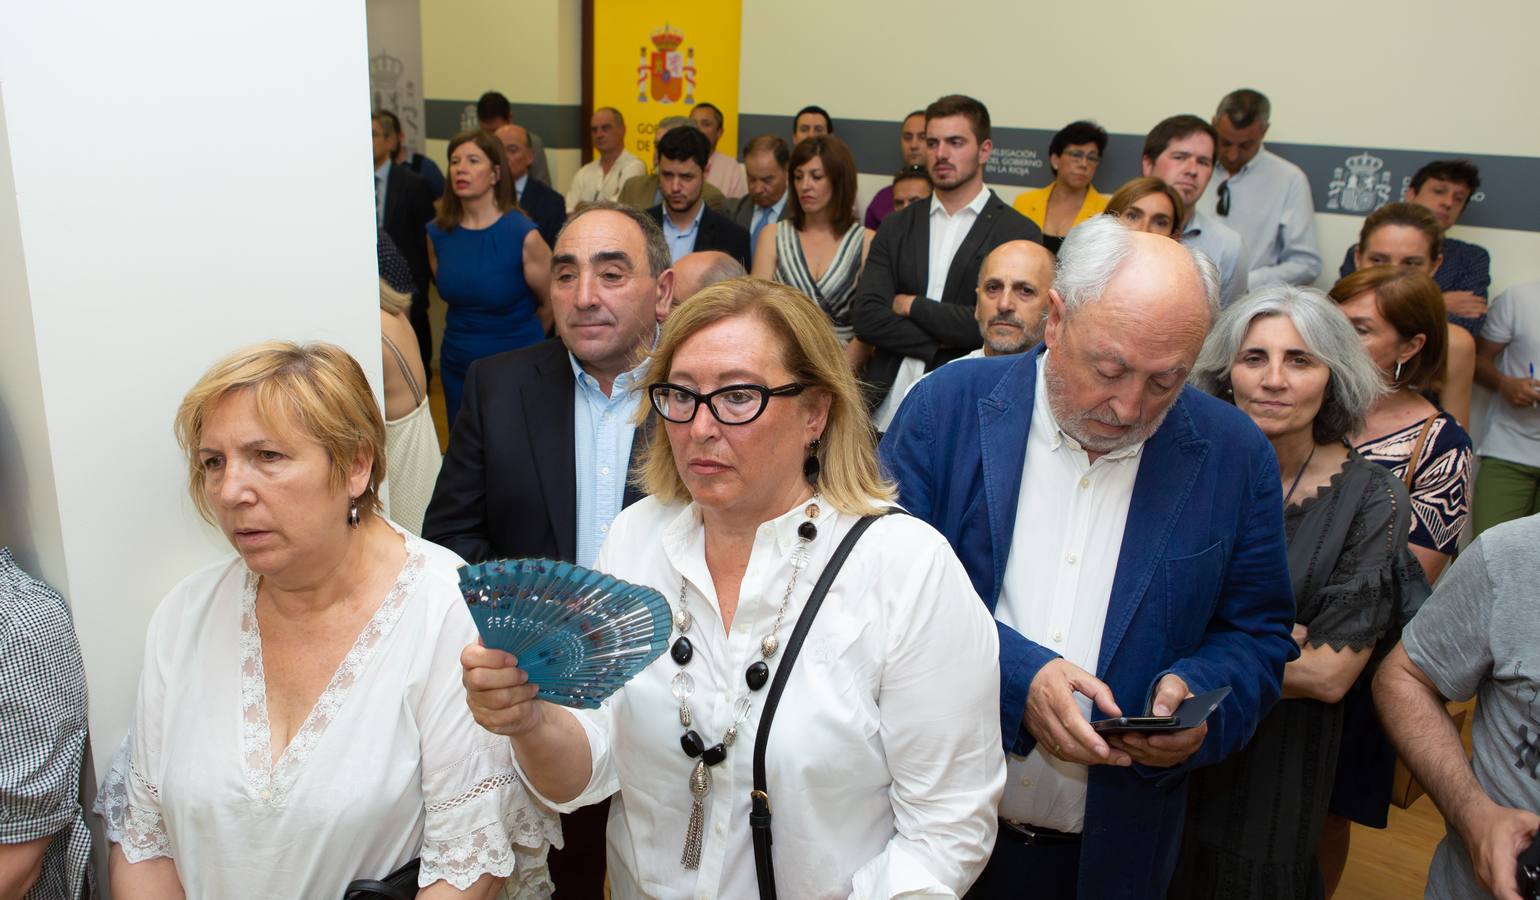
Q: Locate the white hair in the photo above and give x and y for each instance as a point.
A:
(1355, 381)
(1097, 248)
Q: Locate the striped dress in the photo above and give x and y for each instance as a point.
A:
(835, 292)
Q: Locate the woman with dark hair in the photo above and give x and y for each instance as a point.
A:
(1074, 154)
(820, 248)
(1409, 236)
(1285, 357)
(1400, 319)
(492, 266)
(1148, 204)
(1398, 312)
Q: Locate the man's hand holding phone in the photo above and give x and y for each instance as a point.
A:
(1163, 749)
(1055, 719)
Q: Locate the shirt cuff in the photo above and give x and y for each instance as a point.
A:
(596, 789)
(896, 873)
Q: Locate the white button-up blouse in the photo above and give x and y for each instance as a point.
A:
(884, 767)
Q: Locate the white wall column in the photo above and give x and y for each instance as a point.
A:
(177, 179)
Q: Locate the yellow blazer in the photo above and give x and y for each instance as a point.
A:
(1034, 205)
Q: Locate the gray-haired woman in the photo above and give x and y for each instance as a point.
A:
(1290, 360)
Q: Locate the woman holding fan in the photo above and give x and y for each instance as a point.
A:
(298, 725)
(762, 466)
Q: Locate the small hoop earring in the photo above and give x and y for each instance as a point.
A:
(810, 466)
(354, 519)
(1397, 377)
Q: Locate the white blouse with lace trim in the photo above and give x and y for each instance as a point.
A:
(388, 765)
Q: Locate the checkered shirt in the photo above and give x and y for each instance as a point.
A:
(42, 732)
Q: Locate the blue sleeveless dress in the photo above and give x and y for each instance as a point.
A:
(491, 308)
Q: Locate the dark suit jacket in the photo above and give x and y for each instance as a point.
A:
(717, 232)
(546, 208)
(1201, 589)
(742, 209)
(408, 210)
(508, 487)
(937, 329)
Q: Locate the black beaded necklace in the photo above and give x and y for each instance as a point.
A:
(755, 677)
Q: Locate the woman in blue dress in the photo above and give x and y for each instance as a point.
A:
(492, 266)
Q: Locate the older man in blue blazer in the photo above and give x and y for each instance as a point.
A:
(1117, 523)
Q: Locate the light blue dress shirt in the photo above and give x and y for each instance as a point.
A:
(381, 182)
(1224, 246)
(764, 216)
(682, 243)
(602, 431)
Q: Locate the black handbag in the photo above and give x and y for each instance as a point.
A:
(759, 798)
(398, 885)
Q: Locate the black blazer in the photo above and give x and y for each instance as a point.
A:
(546, 208)
(508, 487)
(899, 263)
(717, 232)
(408, 210)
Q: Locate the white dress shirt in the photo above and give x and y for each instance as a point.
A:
(947, 231)
(592, 183)
(1058, 580)
(1271, 209)
(870, 800)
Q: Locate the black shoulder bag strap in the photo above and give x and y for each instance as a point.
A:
(759, 798)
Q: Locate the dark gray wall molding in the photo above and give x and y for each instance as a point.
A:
(560, 126)
(1346, 180)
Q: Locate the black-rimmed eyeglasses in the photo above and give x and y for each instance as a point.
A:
(1223, 206)
(733, 404)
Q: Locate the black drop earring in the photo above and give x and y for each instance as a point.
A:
(811, 466)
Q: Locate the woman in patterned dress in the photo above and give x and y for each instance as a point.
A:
(820, 248)
(1398, 312)
(1399, 316)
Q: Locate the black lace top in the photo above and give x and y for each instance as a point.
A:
(1254, 820)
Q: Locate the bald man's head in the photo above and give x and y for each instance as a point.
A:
(515, 141)
(1013, 297)
(697, 271)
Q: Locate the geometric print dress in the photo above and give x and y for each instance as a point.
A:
(1440, 491)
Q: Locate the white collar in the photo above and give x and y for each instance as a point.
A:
(976, 204)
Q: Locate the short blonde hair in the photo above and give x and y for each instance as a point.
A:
(392, 300)
(850, 479)
(316, 388)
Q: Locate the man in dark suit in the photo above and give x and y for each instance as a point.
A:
(1117, 523)
(403, 207)
(540, 451)
(915, 300)
(764, 160)
(546, 208)
(688, 223)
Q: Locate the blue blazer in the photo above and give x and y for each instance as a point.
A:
(1202, 584)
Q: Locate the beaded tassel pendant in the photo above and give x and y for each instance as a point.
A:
(700, 786)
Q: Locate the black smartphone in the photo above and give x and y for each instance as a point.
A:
(1136, 723)
(1190, 714)
(1529, 871)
